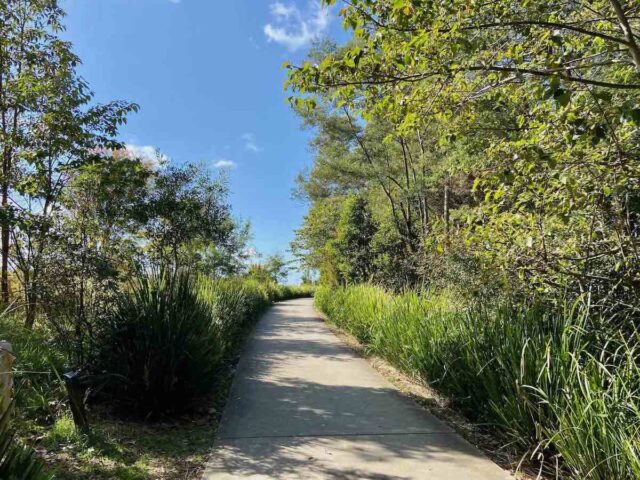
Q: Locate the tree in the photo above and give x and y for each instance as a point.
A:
(312, 244)
(228, 258)
(94, 202)
(46, 127)
(186, 210)
(356, 229)
(537, 104)
(273, 269)
(411, 183)
(277, 267)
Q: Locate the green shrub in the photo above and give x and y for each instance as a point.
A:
(38, 364)
(276, 293)
(17, 462)
(289, 292)
(36, 388)
(542, 379)
(160, 347)
(234, 305)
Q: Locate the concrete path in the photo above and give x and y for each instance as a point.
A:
(304, 406)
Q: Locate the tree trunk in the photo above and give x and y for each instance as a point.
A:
(32, 305)
(5, 238)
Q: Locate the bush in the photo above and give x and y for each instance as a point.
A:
(277, 293)
(17, 461)
(38, 389)
(234, 305)
(160, 347)
(542, 379)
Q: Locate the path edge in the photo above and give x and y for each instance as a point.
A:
(429, 399)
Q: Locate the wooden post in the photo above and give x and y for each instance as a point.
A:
(76, 391)
(6, 376)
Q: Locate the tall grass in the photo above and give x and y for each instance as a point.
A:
(277, 293)
(543, 380)
(35, 389)
(159, 347)
(17, 461)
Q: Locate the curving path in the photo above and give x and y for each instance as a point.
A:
(304, 406)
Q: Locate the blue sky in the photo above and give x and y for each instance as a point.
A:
(207, 75)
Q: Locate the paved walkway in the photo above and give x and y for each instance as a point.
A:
(304, 406)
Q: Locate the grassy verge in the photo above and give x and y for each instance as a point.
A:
(544, 382)
(120, 446)
(125, 450)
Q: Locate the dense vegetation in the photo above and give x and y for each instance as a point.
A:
(482, 139)
(164, 348)
(475, 164)
(166, 340)
(540, 379)
(487, 153)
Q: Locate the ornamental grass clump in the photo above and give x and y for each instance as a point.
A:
(159, 348)
(234, 305)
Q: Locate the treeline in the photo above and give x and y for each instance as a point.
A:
(484, 146)
(479, 164)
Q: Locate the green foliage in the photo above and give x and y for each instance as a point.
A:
(234, 304)
(167, 337)
(228, 258)
(497, 147)
(502, 134)
(312, 245)
(274, 270)
(160, 347)
(551, 384)
(356, 229)
(289, 292)
(17, 462)
(49, 130)
(38, 364)
(186, 209)
(259, 273)
(63, 431)
(277, 267)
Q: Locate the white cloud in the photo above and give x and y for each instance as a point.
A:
(280, 10)
(292, 28)
(147, 154)
(175, 1)
(222, 163)
(250, 144)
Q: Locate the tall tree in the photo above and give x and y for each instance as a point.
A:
(46, 126)
(355, 232)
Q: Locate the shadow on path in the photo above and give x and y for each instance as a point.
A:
(305, 406)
